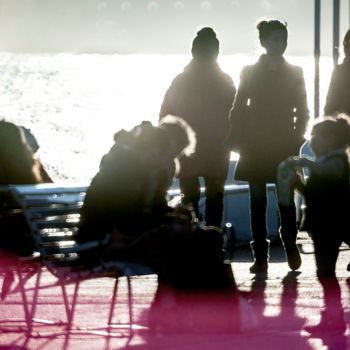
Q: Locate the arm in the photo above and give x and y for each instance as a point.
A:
(331, 105)
(332, 168)
(242, 97)
(169, 102)
(238, 111)
(302, 110)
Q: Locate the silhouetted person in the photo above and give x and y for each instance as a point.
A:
(338, 97)
(203, 95)
(17, 162)
(126, 208)
(268, 121)
(327, 199)
(18, 166)
(129, 193)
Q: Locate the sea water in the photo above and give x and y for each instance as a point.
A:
(74, 103)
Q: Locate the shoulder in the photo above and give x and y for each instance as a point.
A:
(227, 79)
(248, 71)
(339, 154)
(296, 70)
(179, 78)
(340, 70)
(177, 82)
(333, 164)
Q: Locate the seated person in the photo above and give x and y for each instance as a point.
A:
(17, 166)
(126, 204)
(129, 191)
(17, 162)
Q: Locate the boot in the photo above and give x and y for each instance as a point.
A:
(331, 322)
(261, 254)
(288, 234)
(293, 256)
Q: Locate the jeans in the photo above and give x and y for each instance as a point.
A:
(258, 206)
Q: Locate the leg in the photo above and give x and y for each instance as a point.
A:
(288, 233)
(346, 240)
(259, 244)
(326, 254)
(214, 203)
(190, 188)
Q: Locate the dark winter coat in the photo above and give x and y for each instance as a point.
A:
(203, 95)
(128, 193)
(328, 200)
(268, 119)
(338, 97)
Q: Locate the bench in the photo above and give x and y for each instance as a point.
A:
(52, 214)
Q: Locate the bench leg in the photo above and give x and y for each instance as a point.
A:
(131, 321)
(29, 312)
(70, 308)
(114, 297)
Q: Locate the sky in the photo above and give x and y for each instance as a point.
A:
(157, 26)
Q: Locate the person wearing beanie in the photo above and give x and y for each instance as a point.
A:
(202, 95)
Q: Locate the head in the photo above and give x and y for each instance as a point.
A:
(16, 157)
(181, 137)
(273, 36)
(330, 134)
(205, 46)
(346, 43)
(169, 140)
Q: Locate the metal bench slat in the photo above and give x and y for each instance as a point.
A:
(36, 213)
(51, 224)
(46, 189)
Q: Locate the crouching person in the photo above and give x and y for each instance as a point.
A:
(126, 206)
(326, 193)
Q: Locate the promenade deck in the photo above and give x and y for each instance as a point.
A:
(279, 305)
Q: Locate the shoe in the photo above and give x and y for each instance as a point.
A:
(328, 325)
(258, 267)
(261, 256)
(293, 257)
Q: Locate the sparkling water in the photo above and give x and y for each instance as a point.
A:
(74, 104)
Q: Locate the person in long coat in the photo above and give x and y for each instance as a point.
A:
(338, 97)
(203, 95)
(268, 122)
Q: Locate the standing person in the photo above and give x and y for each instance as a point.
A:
(327, 198)
(268, 122)
(338, 97)
(203, 95)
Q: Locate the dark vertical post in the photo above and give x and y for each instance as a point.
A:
(317, 52)
(336, 19)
